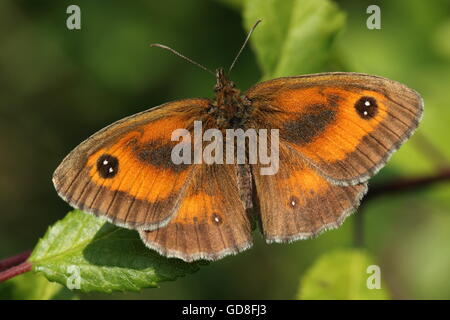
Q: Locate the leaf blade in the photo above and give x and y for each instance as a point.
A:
(295, 36)
(31, 286)
(105, 257)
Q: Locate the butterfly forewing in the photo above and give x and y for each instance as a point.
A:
(125, 173)
(346, 125)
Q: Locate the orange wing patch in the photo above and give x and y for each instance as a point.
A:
(343, 131)
(345, 125)
(145, 161)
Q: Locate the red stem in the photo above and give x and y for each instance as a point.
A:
(402, 185)
(15, 260)
(399, 185)
(15, 271)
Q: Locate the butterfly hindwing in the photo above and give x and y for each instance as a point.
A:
(211, 221)
(302, 203)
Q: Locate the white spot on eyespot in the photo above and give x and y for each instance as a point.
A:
(105, 162)
(365, 113)
(216, 218)
(111, 170)
(293, 203)
(367, 103)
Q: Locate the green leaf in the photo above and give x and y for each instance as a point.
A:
(85, 252)
(32, 286)
(342, 274)
(295, 36)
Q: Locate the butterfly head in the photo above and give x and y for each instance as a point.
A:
(227, 95)
(229, 107)
(222, 81)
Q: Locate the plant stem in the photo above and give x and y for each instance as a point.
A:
(359, 227)
(15, 271)
(15, 260)
(399, 185)
(403, 185)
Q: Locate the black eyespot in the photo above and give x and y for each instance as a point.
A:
(107, 166)
(217, 219)
(366, 107)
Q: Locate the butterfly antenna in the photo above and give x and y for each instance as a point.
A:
(243, 46)
(181, 56)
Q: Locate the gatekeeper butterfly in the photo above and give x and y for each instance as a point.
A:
(336, 130)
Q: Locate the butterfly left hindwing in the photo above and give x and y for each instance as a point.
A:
(211, 221)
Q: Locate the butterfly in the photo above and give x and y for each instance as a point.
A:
(336, 130)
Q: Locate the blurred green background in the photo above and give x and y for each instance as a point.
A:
(59, 86)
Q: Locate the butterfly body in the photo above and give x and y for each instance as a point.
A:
(336, 130)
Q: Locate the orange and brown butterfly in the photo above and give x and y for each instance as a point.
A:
(336, 130)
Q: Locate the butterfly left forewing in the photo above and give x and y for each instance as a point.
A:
(346, 125)
(125, 173)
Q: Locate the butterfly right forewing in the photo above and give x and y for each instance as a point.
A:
(346, 125)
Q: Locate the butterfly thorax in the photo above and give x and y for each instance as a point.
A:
(230, 108)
